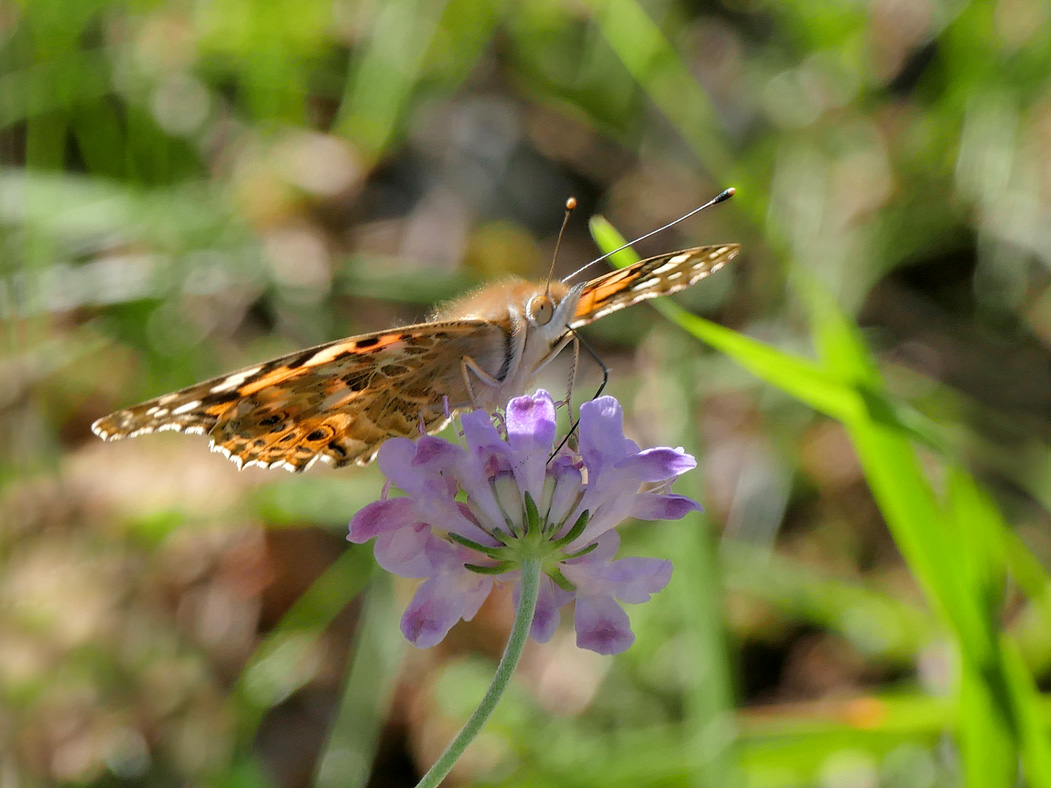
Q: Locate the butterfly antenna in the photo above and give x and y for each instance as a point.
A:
(723, 197)
(571, 204)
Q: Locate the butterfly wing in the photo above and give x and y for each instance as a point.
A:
(336, 402)
(650, 278)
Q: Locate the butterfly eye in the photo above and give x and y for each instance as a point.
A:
(541, 309)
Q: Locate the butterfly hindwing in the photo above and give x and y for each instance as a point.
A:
(336, 402)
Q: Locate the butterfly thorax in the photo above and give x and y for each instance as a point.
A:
(530, 334)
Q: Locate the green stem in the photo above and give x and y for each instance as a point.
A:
(504, 671)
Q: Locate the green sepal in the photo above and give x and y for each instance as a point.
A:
(503, 537)
(498, 569)
(575, 531)
(579, 553)
(561, 581)
(492, 552)
(532, 514)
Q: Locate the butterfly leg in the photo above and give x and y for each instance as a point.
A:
(469, 365)
(572, 381)
(598, 360)
(578, 342)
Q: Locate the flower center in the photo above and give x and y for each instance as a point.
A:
(526, 534)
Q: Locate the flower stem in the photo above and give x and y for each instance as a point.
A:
(504, 671)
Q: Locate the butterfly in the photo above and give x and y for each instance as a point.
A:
(339, 401)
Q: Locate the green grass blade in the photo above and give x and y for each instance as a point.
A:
(956, 553)
(378, 648)
(659, 69)
(386, 74)
(276, 668)
(801, 378)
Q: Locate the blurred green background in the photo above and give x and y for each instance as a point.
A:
(189, 187)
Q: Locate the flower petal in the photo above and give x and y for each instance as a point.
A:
(656, 465)
(480, 436)
(530, 436)
(659, 506)
(476, 592)
(636, 579)
(439, 603)
(405, 551)
(609, 504)
(566, 489)
(602, 441)
(531, 422)
(435, 453)
(602, 625)
(632, 579)
(546, 618)
(382, 516)
(485, 456)
(432, 612)
(395, 460)
(606, 547)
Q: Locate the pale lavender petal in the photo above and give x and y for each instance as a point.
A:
(469, 527)
(530, 435)
(485, 453)
(449, 515)
(602, 625)
(531, 422)
(631, 579)
(606, 547)
(395, 460)
(659, 506)
(602, 441)
(546, 618)
(636, 579)
(609, 506)
(568, 483)
(436, 607)
(381, 516)
(482, 503)
(656, 465)
(476, 591)
(435, 453)
(480, 436)
(404, 551)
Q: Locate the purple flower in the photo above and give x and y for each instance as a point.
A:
(518, 504)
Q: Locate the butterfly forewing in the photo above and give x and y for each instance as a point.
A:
(650, 278)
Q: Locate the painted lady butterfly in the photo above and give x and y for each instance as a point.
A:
(339, 401)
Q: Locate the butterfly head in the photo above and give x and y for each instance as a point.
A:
(550, 310)
(540, 309)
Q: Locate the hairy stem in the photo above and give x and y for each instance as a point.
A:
(504, 671)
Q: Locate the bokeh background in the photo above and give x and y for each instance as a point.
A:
(190, 187)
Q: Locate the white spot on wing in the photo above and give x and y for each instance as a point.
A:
(186, 408)
(647, 284)
(233, 381)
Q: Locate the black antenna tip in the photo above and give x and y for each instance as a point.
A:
(726, 195)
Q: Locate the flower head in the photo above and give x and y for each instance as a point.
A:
(518, 504)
